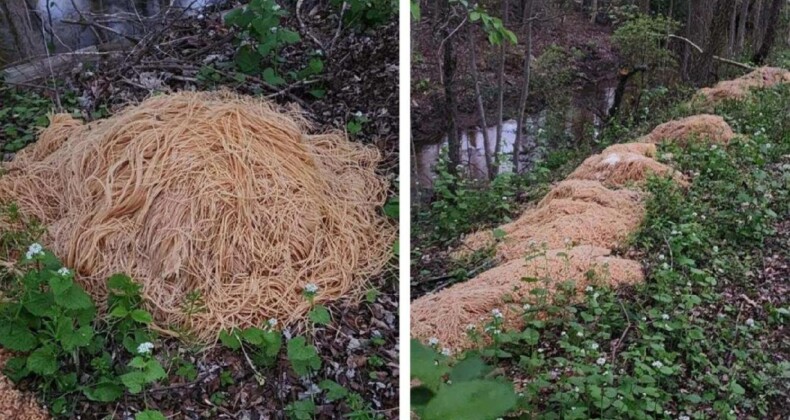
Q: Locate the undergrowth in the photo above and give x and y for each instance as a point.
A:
(694, 341)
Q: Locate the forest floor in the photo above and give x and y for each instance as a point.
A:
(359, 349)
(596, 64)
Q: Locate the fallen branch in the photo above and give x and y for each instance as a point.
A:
(715, 57)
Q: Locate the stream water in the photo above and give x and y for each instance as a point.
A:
(53, 14)
(579, 122)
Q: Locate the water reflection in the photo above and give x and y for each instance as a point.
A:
(581, 122)
(63, 36)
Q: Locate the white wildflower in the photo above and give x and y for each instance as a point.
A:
(311, 288)
(64, 271)
(272, 322)
(33, 250)
(601, 361)
(661, 257)
(750, 322)
(446, 351)
(527, 306)
(470, 327)
(563, 333)
(579, 334)
(595, 295)
(665, 266)
(664, 317)
(588, 289)
(145, 348)
(497, 314)
(594, 346)
(684, 418)
(657, 364)
(433, 341)
(715, 249)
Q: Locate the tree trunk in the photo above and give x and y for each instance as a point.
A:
(619, 92)
(717, 32)
(479, 96)
(524, 93)
(24, 31)
(770, 33)
(494, 169)
(687, 48)
(732, 29)
(593, 11)
(742, 19)
(451, 108)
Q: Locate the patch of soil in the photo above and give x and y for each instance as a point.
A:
(350, 356)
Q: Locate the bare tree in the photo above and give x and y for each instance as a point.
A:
(448, 81)
(23, 30)
(770, 32)
(478, 94)
(493, 170)
(524, 89)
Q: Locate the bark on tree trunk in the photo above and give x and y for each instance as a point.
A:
(24, 30)
(770, 32)
(742, 19)
(448, 76)
(494, 169)
(479, 95)
(687, 48)
(732, 29)
(524, 94)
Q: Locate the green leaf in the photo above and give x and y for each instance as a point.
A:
(473, 367)
(154, 371)
(248, 60)
(334, 391)
(39, 304)
(499, 233)
(60, 284)
(288, 36)
(104, 392)
(736, 388)
(424, 365)
(119, 311)
(253, 335)
(304, 358)
(134, 381)
(320, 315)
(471, 400)
(229, 339)
(141, 316)
(272, 78)
(16, 336)
(71, 338)
(43, 360)
(74, 298)
(122, 285)
(149, 415)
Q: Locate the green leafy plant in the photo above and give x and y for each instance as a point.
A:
(302, 356)
(367, 13)
(462, 390)
(263, 344)
(261, 37)
(51, 323)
